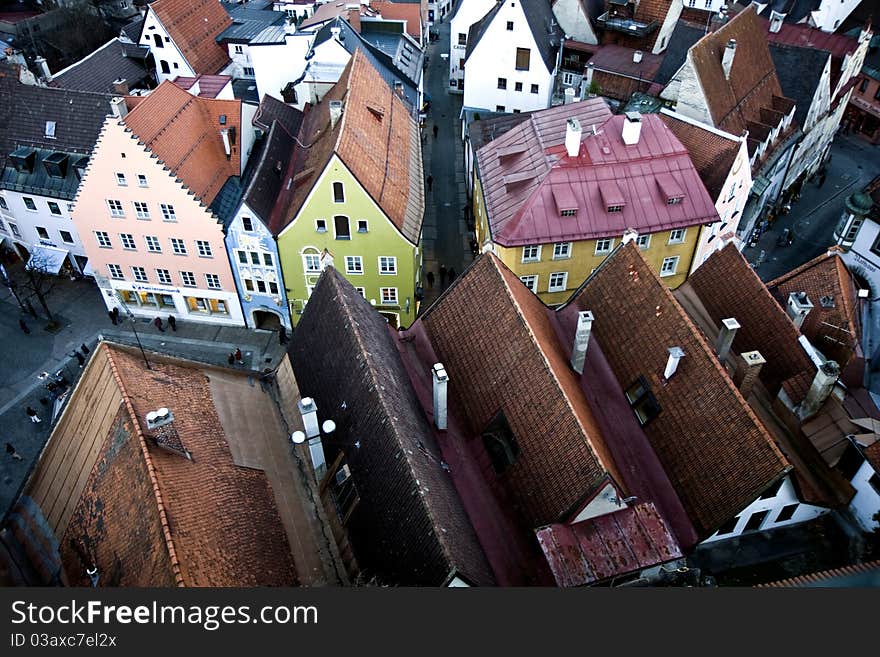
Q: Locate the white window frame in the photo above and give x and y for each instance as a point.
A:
(174, 244)
(168, 213)
(350, 260)
(49, 204)
(210, 279)
(536, 258)
(677, 240)
(141, 214)
(115, 272)
(305, 259)
(531, 282)
(128, 241)
(163, 276)
(142, 180)
(204, 249)
(183, 278)
(384, 260)
(562, 256)
(557, 288)
(647, 242)
(44, 235)
(136, 270)
(153, 241)
(671, 259)
(120, 180)
(99, 234)
(117, 210)
(609, 240)
(61, 235)
(391, 302)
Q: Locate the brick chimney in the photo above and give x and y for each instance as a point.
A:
(798, 307)
(581, 340)
(748, 367)
(725, 337)
(820, 389)
(120, 86)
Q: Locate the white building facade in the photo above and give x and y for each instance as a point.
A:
(169, 59)
(468, 13)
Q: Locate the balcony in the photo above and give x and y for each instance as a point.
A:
(626, 25)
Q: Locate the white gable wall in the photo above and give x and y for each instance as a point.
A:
(167, 52)
(468, 13)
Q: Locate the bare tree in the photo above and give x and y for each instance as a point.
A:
(36, 279)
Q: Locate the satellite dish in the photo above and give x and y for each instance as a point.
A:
(329, 426)
(298, 437)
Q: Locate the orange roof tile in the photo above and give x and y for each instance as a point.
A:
(184, 132)
(193, 26)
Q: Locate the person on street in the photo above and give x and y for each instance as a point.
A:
(238, 358)
(430, 183)
(158, 324)
(436, 128)
(32, 414)
(24, 327)
(112, 316)
(451, 275)
(282, 335)
(442, 275)
(430, 278)
(11, 451)
(172, 322)
(80, 358)
(231, 359)
(83, 348)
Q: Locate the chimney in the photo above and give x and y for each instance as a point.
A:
(224, 133)
(120, 86)
(309, 411)
(118, 107)
(573, 134)
(727, 58)
(675, 355)
(629, 235)
(776, 21)
(441, 380)
(335, 112)
(581, 340)
(569, 96)
(798, 307)
(820, 389)
(637, 56)
(44, 68)
(632, 128)
(725, 337)
(748, 367)
(588, 80)
(398, 88)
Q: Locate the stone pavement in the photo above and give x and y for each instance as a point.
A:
(446, 238)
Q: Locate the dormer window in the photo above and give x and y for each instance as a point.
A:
(611, 196)
(568, 213)
(642, 401)
(675, 200)
(615, 208)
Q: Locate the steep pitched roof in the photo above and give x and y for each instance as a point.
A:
(711, 153)
(683, 36)
(271, 109)
(268, 177)
(97, 71)
(716, 452)
(728, 287)
(478, 29)
(419, 538)
(209, 85)
(376, 138)
(482, 131)
(805, 36)
(527, 174)
(799, 71)
(184, 132)
(194, 26)
(833, 325)
(735, 101)
(503, 355)
(542, 24)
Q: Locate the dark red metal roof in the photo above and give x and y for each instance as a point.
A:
(608, 546)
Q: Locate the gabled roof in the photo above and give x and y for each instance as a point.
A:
(712, 154)
(800, 72)
(410, 526)
(683, 36)
(545, 30)
(728, 287)
(132, 31)
(753, 82)
(482, 131)
(247, 22)
(805, 36)
(271, 109)
(795, 10)
(194, 26)
(833, 325)
(209, 85)
(714, 449)
(617, 59)
(478, 29)
(97, 71)
(268, 177)
(184, 132)
(519, 188)
(25, 110)
(376, 138)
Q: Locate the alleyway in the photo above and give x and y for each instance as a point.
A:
(446, 237)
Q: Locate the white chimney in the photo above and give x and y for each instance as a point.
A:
(632, 128)
(335, 112)
(195, 89)
(224, 133)
(573, 134)
(675, 355)
(725, 337)
(44, 68)
(309, 411)
(637, 56)
(629, 235)
(820, 389)
(118, 107)
(581, 340)
(727, 58)
(569, 95)
(441, 380)
(776, 21)
(798, 307)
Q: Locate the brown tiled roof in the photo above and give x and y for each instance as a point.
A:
(716, 452)
(870, 571)
(410, 526)
(712, 154)
(376, 138)
(502, 354)
(836, 329)
(193, 26)
(184, 132)
(728, 287)
(753, 82)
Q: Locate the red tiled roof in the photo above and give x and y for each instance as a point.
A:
(871, 568)
(799, 34)
(619, 59)
(735, 101)
(519, 190)
(209, 85)
(607, 546)
(714, 449)
(833, 327)
(193, 26)
(184, 132)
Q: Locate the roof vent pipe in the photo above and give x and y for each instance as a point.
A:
(440, 379)
(725, 337)
(573, 134)
(581, 340)
(727, 58)
(226, 146)
(675, 355)
(335, 112)
(632, 128)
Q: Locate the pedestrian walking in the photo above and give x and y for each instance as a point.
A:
(172, 322)
(32, 414)
(442, 275)
(451, 275)
(238, 358)
(11, 451)
(158, 324)
(436, 128)
(231, 359)
(24, 327)
(282, 335)
(83, 348)
(430, 277)
(112, 317)
(430, 183)
(116, 315)
(80, 358)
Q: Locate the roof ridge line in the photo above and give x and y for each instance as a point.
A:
(151, 468)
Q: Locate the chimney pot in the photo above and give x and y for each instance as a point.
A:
(748, 367)
(440, 381)
(118, 107)
(120, 86)
(569, 95)
(632, 128)
(637, 56)
(675, 355)
(820, 389)
(581, 340)
(335, 112)
(573, 134)
(309, 411)
(727, 58)
(798, 307)
(224, 134)
(44, 68)
(725, 337)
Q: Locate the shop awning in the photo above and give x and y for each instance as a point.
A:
(87, 270)
(47, 258)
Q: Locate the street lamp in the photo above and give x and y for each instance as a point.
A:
(131, 318)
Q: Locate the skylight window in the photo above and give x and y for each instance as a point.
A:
(50, 129)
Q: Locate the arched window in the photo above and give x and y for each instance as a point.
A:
(164, 66)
